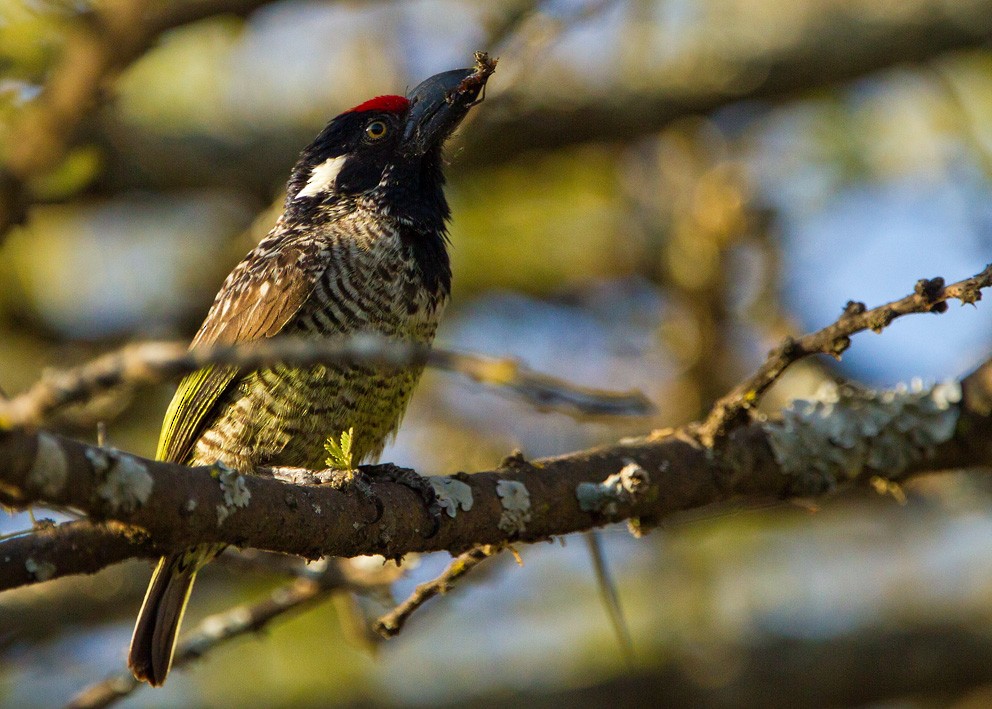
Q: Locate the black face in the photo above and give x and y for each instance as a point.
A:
(384, 156)
(347, 158)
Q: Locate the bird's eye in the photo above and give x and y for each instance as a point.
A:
(376, 130)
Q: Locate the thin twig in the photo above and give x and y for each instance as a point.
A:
(609, 596)
(218, 629)
(153, 362)
(392, 622)
(930, 295)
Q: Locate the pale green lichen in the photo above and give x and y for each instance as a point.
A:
(40, 571)
(515, 499)
(126, 485)
(846, 430)
(50, 470)
(452, 494)
(236, 492)
(99, 458)
(618, 489)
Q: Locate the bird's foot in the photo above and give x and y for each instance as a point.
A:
(344, 479)
(418, 483)
(356, 480)
(297, 476)
(338, 479)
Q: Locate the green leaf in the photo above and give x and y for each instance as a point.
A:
(339, 454)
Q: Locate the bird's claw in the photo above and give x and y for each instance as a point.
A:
(338, 479)
(356, 480)
(296, 476)
(418, 483)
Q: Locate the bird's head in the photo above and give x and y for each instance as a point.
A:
(385, 155)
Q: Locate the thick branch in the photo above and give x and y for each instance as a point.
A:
(647, 479)
(81, 547)
(153, 362)
(929, 296)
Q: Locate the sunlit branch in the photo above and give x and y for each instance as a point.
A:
(929, 296)
(153, 362)
(648, 479)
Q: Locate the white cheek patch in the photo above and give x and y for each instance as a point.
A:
(323, 176)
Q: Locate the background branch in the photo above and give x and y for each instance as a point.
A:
(840, 41)
(837, 45)
(390, 624)
(153, 362)
(933, 663)
(108, 38)
(221, 628)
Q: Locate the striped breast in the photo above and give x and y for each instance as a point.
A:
(281, 416)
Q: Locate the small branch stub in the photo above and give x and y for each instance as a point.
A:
(392, 622)
(618, 489)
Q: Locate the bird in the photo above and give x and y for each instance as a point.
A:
(360, 247)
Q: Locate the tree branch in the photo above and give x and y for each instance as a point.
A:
(645, 479)
(153, 362)
(929, 296)
(103, 41)
(841, 40)
(390, 624)
(926, 662)
(218, 629)
(80, 547)
(857, 434)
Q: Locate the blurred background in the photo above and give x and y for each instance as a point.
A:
(652, 195)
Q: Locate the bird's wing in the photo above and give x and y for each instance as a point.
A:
(258, 298)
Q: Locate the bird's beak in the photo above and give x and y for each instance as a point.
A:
(438, 105)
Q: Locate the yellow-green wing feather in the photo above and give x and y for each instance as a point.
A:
(197, 394)
(257, 300)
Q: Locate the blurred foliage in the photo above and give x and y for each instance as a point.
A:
(668, 262)
(30, 35)
(541, 225)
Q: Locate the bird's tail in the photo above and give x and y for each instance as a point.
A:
(155, 632)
